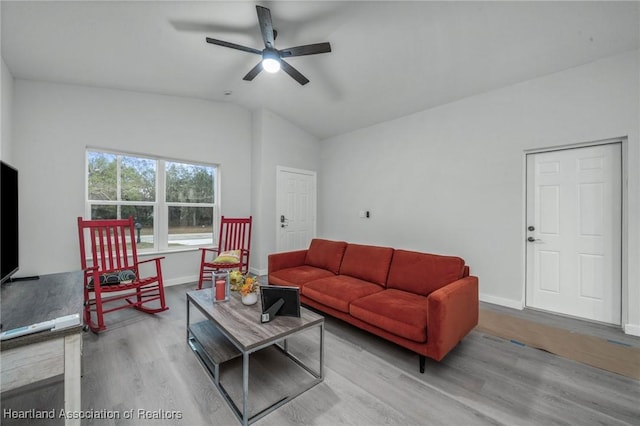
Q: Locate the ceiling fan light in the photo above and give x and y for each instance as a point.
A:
(270, 61)
(271, 65)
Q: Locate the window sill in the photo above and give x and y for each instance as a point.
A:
(152, 253)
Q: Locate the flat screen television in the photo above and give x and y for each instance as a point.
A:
(290, 297)
(8, 221)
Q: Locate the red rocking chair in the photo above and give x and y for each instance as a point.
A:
(112, 271)
(235, 236)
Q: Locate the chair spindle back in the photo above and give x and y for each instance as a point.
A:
(235, 234)
(111, 242)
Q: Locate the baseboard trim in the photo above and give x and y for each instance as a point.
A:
(194, 278)
(181, 280)
(258, 272)
(501, 301)
(632, 329)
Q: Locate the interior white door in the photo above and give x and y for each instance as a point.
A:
(295, 208)
(574, 232)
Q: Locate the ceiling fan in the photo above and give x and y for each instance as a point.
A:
(271, 57)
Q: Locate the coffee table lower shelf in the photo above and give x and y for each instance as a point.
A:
(211, 347)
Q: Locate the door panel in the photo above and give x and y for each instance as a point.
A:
(550, 214)
(549, 271)
(574, 250)
(296, 209)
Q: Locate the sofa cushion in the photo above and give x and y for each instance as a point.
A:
(369, 263)
(423, 273)
(325, 254)
(396, 311)
(298, 276)
(339, 291)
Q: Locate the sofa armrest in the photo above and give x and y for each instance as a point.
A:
(452, 314)
(289, 259)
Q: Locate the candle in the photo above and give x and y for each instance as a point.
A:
(220, 289)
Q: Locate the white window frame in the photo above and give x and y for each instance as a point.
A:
(160, 205)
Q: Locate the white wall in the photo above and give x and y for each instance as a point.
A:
(450, 180)
(6, 94)
(54, 123)
(276, 142)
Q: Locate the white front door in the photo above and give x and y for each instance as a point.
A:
(574, 232)
(295, 208)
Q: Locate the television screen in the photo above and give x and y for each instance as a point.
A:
(8, 221)
(270, 294)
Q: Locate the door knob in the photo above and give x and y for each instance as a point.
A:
(531, 228)
(531, 239)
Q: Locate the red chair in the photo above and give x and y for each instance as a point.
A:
(235, 234)
(112, 271)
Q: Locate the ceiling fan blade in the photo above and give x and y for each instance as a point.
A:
(293, 73)
(266, 26)
(309, 49)
(233, 46)
(254, 71)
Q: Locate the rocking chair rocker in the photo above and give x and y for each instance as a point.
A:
(112, 271)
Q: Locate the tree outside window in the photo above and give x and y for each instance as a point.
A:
(177, 215)
(190, 198)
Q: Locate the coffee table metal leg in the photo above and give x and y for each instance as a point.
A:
(187, 321)
(245, 388)
(322, 351)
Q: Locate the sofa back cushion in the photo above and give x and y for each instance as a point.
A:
(423, 273)
(369, 263)
(325, 254)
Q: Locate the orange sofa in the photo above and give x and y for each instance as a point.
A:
(424, 302)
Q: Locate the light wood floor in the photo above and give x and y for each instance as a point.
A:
(142, 362)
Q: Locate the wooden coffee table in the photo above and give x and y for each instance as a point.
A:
(230, 330)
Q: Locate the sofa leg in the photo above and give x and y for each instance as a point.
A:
(422, 359)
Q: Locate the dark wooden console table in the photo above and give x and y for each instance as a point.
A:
(39, 356)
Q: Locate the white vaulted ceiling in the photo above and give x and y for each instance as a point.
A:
(389, 59)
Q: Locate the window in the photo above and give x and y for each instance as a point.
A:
(172, 202)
